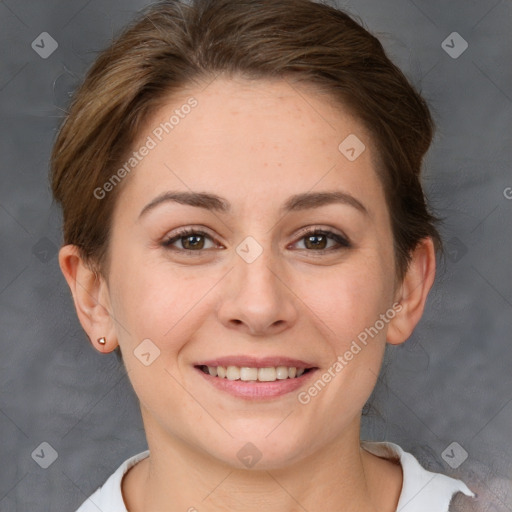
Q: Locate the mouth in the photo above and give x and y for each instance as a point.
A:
(254, 374)
(256, 382)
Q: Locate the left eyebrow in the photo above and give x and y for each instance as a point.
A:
(317, 199)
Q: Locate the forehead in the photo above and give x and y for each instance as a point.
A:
(257, 137)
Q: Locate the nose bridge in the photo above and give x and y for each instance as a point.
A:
(256, 263)
(256, 295)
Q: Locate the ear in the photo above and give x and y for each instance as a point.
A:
(413, 291)
(91, 298)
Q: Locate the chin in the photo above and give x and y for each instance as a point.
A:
(259, 453)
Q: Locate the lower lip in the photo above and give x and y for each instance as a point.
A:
(255, 390)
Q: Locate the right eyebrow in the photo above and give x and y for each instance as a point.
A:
(197, 199)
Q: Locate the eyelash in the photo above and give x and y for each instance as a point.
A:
(343, 243)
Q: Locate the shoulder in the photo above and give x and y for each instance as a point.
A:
(109, 497)
(422, 490)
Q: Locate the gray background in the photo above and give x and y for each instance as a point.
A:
(451, 382)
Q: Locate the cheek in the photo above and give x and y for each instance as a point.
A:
(160, 303)
(347, 299)
(346, 308)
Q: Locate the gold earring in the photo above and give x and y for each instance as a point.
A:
(102, 340)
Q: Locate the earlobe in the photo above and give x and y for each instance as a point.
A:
(91, 299)
(413, 292)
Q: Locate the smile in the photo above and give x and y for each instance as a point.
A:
(251, 383)
(248, 374)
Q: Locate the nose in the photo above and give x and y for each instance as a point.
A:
(256, 299)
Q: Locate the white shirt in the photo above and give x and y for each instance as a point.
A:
(422, 490)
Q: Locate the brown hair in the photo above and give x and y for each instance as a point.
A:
(172, 45)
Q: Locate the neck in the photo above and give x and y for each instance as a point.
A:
(178, 477)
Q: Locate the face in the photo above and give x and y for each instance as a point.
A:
(253, 280)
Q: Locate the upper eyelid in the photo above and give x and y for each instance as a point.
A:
(328, 229)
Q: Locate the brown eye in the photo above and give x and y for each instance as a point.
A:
(317, 240)
(191, 240)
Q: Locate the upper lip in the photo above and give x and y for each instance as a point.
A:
(256, 362)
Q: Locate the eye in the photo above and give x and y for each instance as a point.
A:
(191, 240)
(317, 240)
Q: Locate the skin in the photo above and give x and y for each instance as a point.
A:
(255, 144)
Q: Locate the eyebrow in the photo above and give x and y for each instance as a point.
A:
(298, 202)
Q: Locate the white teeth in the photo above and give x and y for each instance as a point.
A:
(233, 373)
(281, 372)
(267, 374)
(246, 373)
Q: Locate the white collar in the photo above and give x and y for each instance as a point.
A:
(422, 490)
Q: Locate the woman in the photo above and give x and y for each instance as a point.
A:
(244, 221)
